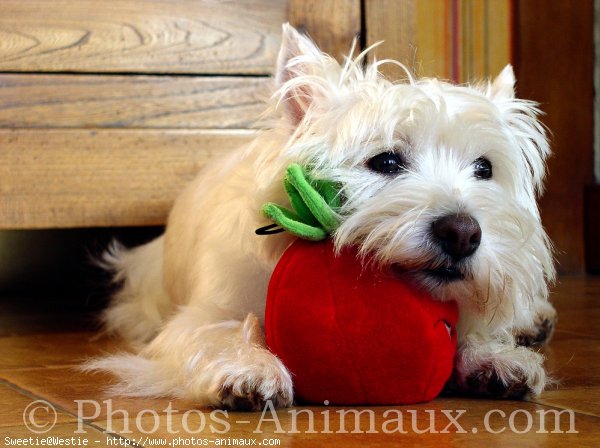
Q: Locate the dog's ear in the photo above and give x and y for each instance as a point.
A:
(523, 118)
(300, 73)
(503, 85)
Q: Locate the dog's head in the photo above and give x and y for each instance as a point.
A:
(439, 180)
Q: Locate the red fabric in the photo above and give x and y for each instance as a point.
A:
(354, 335)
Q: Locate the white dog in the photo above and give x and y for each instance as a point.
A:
(439, 180)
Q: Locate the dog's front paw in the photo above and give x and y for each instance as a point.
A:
(511, 373)
(542, 330)
(243, 395)
(540, 334)
(252, 387)
(487, 382)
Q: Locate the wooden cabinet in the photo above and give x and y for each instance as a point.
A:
(107, 108)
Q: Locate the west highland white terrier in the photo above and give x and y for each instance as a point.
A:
(439, 180)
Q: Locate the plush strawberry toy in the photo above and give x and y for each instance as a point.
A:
(349, 331)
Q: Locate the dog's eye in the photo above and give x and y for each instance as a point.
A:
(386, 163)
(482, 168)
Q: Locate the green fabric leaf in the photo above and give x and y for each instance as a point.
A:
(313, 201)
(312, 198)
(289, 221)
(298, 204)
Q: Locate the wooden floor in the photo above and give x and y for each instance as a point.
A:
(39, 354)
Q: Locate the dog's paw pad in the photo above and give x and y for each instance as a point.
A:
(515, 390)
(487, 383)
(244, 401)
(251, 391)
(540, 334)
(252, 400)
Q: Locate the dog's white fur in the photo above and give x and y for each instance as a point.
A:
(189, 299)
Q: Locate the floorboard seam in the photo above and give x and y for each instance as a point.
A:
(58, 407)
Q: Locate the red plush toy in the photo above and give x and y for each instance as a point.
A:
(350, 333)
(354, 335)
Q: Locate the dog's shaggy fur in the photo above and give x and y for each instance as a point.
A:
(193, 300)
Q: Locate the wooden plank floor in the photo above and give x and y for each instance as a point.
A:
(40, 365)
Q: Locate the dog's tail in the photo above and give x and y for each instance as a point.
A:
(138, 308)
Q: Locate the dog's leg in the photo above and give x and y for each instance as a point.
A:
(224, 364)
(251, 376)
(497, 368)
(215, 271)
(140, 306)
(542, 328)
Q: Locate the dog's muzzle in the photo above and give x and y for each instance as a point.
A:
(458, 237)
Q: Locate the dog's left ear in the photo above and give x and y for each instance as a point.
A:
(503, 85)
(523, 118)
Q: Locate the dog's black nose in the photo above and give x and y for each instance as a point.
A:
(459, 235)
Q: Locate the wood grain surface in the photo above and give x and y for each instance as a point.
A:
(554, 66)
(592, 228)
(38, 360)
(125, 64)
(462, 40)
(80, 178)
(332, 24)
(145, 36)
(392, 22)
(45, 101)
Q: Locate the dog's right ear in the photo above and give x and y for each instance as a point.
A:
(299, 77)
